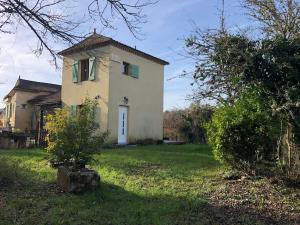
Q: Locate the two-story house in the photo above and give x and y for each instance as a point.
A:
(127, 83)
(22, 111)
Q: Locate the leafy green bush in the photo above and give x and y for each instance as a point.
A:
(72, 136)
(243, 134)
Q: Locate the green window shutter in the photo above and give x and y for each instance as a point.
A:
(92, 68)
(134, 71)
(75, 72)
(73, 110)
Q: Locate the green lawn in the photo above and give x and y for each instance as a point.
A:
(144, 185)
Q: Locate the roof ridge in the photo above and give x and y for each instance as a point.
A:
(102, 41)
(100, 35)
(32, 81)
(30, 85)
(94, 35)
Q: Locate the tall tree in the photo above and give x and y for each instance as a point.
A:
(212, 51)
(277, 17)
(51, 20)
(219, 59)
(219, 55)
(274, 69)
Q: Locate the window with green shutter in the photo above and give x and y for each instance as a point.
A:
(84, 69)
(92, 68)
(134, 71)
(75, 72)
(130, 70)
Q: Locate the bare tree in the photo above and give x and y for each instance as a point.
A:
(277, 17)
(219, 59)
(50, 22)
(187, 124)
(213, 50)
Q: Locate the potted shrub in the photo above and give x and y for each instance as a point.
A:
(72, 136)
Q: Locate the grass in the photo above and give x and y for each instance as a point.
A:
(144, 185)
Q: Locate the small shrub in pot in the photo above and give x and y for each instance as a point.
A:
(73, 135)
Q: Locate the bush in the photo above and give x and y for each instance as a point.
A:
(72, 136)
(187, 124)
(191, 125)
(243, 134)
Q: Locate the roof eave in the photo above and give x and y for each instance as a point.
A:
(10, 94)
(140, 53)
(117, 44)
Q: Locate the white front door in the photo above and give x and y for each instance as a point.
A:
(122, 130)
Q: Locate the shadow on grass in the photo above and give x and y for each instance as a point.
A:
(110, 204)
(18, 173)
(180, 160)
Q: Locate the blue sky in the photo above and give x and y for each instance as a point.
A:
(169, 21)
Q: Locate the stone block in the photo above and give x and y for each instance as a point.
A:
(77, 181)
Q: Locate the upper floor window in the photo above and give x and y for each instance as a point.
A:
(125, 68)
(84, 64)
(130, 69)
(85, 69)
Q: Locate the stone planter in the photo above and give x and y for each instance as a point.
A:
(77, 181)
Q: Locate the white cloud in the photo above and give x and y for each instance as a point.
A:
(17, 59)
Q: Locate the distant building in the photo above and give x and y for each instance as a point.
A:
(27, 103)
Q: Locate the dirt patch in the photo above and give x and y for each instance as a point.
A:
(247, 202)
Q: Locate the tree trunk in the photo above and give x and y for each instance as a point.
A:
(290, 151)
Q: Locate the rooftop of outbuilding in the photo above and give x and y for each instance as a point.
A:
(33, 86)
